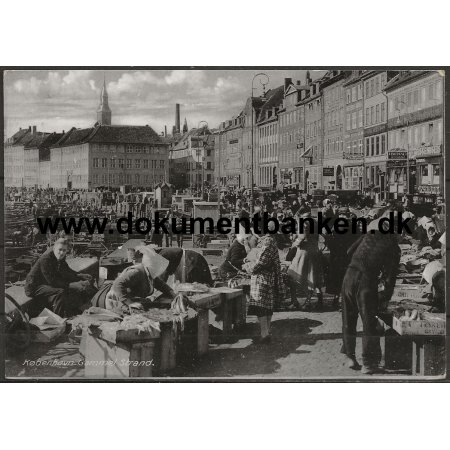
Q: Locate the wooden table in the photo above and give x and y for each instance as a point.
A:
(225, 298)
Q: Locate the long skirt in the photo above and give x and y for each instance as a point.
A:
(305, 271)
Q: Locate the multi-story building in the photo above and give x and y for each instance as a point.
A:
(291, 118)
(313, 154)
(333, 128)
(231, 159)
(233, 162)
(21, 157)
(415, 133)
(351, 175)
(192, 159)
(108, 156)
(267, 138)
(375, 132)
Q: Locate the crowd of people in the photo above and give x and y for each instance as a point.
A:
(285, 271)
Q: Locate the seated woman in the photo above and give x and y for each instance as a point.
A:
(235, 256)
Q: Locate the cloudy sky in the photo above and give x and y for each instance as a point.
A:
(56, 100)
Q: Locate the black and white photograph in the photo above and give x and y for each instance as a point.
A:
(228, 224)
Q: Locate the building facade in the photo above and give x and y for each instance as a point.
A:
(108, 157)
(192, 159)
(375, 133)
(415, 134)
(353, 156)
(313, 138)
(333, 129)
(291, 139)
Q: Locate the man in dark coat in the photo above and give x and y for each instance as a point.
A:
(372, 255)
(53, 284)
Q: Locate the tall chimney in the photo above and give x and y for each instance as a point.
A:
(177, 118)
(165, 130)
(34, 129)
(287, 82)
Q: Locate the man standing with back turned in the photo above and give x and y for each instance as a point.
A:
(374, 259)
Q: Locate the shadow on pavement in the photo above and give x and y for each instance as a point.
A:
(246, 359)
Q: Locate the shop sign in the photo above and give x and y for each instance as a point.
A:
(420, 160)
(431, 150)
(427, 189)
(397, 154)
(328, 171)
(395, 163)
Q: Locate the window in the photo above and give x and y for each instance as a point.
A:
(137, 163)
(95, 163)
(348, 121)
(128, 178)
(113, 163)
(409, 99)
(416, 97)
(145, 163)
(367, 146)
(372, 146)
(354, 117)
(161, 164)
(137, 178)
(360, 118)
(372, 87)
(154, 164)
(383, 144)
(367, 89)
(383, 112)
(377, 118)
(360, 147)
(104, 163)
(360, 91)
(431, 91)
(430, 132)
(377, 85)
(377, 145)
(120, 163)
(208, 165)
(367, 115)
(129, 161)
(104, 179)
(372, 115)
(354, 94)
(95, 178)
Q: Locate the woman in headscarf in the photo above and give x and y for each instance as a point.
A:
(305, 272)
(266, 285)
(135, 283)
(235, 255)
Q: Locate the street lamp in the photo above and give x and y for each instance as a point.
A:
(260, 74)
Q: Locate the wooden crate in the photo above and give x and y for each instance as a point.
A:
(429, 358)
(105, 359)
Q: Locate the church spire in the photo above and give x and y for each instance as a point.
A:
(104, 112)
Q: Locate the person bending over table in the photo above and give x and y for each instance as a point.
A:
(136, 283)
(53, 284)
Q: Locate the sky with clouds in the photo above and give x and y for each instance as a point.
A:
(56, 100)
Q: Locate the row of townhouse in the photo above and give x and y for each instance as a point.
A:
(373, 131)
